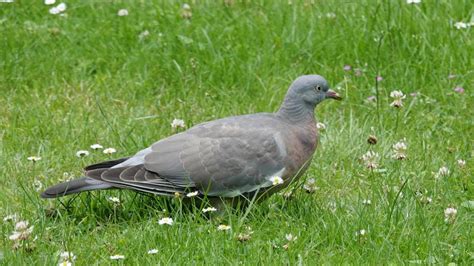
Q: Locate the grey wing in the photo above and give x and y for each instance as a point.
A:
(131, 173)
(138, 178)
(220, 159)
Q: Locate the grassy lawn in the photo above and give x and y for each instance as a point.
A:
(88, 75)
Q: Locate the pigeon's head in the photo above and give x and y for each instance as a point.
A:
(312, 89)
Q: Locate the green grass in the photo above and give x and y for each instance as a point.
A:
(69, 82)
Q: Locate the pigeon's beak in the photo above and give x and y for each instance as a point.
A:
(333, 95)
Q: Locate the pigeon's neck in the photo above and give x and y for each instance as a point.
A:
(296, 111)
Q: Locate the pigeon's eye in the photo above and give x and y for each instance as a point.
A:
(318, 88)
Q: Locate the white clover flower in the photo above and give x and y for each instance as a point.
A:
(320, 126)
(461, 163)
(399, 150)
(396, 94)
(192, 194)
(245, 236)
(61, 7)
(371, 99)
(22, 231)
(413, 1)
(366, 202)
(223, 227)
(311, 181)
(21, 226)
(209, 209)
(450, 211)
(122, 12)
(144, 34)
(34, 158)
(65, 263)
(11, 217)
(442, 172)
(450, 214)
(37, 185)
(109, 151)
(276, 180)
(67, 256)
(54, 11)
(426, 200)
(186, 6)
(459, 90)
(152, 251)
(178, 123)
(114, 200)
(398, 97)
(361, 232)
(310, 186)
(461, 25)
(186, 11)
(371, 159)
(166, 220)
(287, 194)
(15, 236)
(242, 237)
(49, 2)
(290, 237)
(82, 153)
(96, 146)
(117, 257)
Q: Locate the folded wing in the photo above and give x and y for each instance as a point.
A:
(222, 158)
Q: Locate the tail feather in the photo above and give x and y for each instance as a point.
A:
(106, 164)
(74, 186)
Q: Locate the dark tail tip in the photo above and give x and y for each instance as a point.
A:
(73, 187)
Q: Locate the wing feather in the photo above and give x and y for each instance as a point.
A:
(136, 178)
(128, 174)
(219, 158)
(226, 157)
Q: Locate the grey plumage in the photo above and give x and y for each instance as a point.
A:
(74, 186)
(229, 157)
